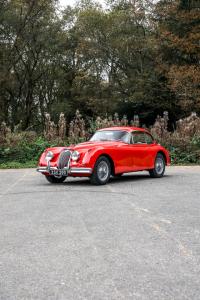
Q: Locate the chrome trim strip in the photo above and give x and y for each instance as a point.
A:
(72, 170)
(81, 170)
(41, 170)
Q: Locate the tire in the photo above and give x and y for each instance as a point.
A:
(53, 179)
(159, 167)
(102, 171)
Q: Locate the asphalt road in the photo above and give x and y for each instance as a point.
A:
(135, 238)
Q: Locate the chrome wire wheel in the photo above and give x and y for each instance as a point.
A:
(159, 165)
(103, 170)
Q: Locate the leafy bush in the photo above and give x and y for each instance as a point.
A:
(178, 156)
(22, 149)
(184, 142)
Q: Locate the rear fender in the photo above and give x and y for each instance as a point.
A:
(166, 155)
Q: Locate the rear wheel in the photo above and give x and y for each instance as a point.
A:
(53, 179)
(101, 172)
(159, 167)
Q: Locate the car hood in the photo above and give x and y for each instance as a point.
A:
(84, 147)
(96, 144)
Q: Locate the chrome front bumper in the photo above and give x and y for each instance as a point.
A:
(69, 170)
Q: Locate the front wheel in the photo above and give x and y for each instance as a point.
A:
(159, 167)
(101, 172)
(53, 179)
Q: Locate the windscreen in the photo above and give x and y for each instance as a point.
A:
(111, 135)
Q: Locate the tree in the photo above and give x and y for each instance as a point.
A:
(178, 37)
(30, 40)
(115, 59)
(135, 57)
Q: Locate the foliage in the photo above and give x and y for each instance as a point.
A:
(19, 148)
(30, 37)
(135, 57)
(184, 142)
(178, 34)
(18, 165)
(24, 148)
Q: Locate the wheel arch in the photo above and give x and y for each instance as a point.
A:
(163, 154)
(110, 160)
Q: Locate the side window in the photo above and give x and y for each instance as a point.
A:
(148, 138)
(139, 137)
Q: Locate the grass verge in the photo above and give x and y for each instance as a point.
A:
(18, 165)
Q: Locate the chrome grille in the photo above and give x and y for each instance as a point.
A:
(64, 158)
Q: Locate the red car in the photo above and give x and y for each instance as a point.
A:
(110, 151)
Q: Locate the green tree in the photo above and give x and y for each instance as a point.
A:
(115, 59)
(30, 41)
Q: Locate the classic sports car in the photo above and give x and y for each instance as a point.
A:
(110, 151)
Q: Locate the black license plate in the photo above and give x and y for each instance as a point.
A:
(58, 172)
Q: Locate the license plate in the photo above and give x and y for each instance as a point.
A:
(58, 172)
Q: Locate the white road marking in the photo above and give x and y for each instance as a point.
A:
(13, 185)
(166, 221)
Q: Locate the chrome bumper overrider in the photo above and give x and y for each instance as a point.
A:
(69, 170)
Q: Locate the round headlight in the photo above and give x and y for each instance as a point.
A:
(49, 155)
(75, 155)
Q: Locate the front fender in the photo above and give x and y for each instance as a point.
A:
(91, 156)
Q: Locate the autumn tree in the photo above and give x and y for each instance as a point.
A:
(178, 35)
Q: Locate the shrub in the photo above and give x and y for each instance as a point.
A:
(24, 148)
(184, 142)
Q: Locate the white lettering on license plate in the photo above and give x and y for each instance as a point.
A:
(58, 172)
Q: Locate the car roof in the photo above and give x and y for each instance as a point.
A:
(125, 128)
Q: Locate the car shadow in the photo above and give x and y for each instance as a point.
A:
(114, 180)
